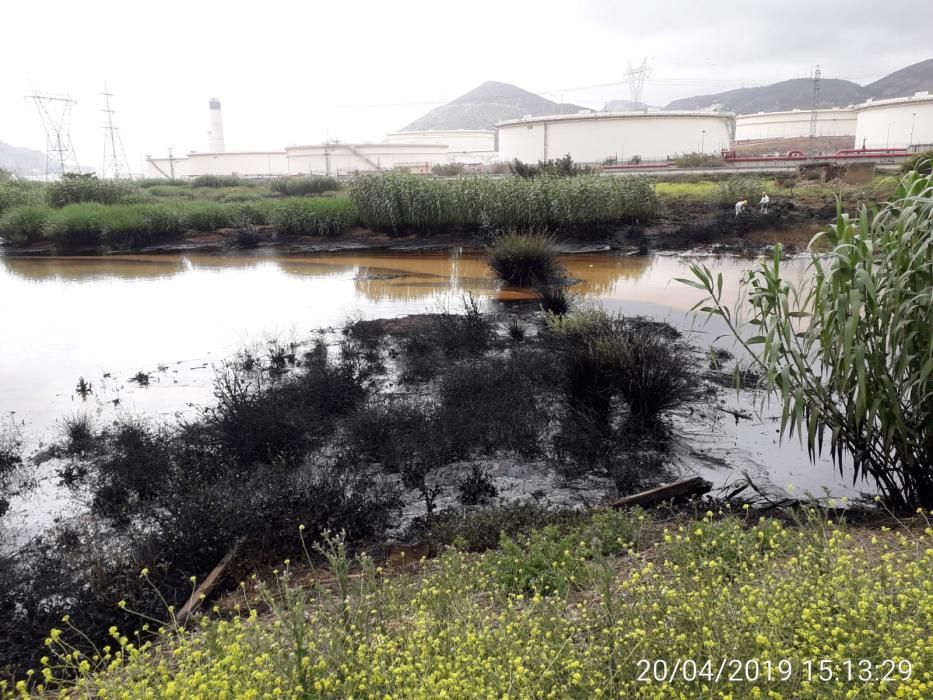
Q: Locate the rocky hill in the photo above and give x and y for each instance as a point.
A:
(487, 104)
(21, 161)
(798, 93)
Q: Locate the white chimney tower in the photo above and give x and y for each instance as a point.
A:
(216, 134)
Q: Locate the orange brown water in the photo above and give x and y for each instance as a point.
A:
(176, 316)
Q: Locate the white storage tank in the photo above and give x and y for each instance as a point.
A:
(795, 123)
(597, 136)
(456, 140)
(904, 122)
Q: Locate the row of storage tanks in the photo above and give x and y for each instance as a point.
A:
(592, 137)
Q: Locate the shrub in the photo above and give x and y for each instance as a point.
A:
(559, 167)
(640, 361)
(849, 350)
(313, 217)
(217, 181)
(738, 187)
(305, 185)
(24, 224)
(448, 169)
(476, 487)
(525, 259)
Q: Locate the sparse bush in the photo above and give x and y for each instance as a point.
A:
(525, 259)
(556, 167)
(24, 224)
(304, 186)
(738, 187)
(448, 169)
(476, 487)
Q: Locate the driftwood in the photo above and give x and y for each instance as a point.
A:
(207, 585)
(694, 486)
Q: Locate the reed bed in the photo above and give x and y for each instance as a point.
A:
(403, 203)
(313, 217)
(304, 186)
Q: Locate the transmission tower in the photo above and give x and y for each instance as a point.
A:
(114, 161)
(55, 114)
(813, 107)
(636, 80)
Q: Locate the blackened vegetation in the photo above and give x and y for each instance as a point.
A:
(330, 437)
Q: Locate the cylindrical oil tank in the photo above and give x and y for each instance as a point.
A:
(598, 137)
(903, 122)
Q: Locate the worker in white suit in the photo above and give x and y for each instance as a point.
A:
(740, 206)
(763, 203)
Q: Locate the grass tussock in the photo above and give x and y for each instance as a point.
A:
(23, 224)
(567, 610)
(525, 259)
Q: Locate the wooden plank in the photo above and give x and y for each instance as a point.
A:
(207, 585)
(694, 486)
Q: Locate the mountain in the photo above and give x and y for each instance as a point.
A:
(798, 93)
(487, 104)
(21, 161)
(788, 94)
(904, 82)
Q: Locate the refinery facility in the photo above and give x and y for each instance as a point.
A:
(607, 137)
(413, 151)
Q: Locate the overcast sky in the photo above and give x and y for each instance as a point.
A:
(296, 72)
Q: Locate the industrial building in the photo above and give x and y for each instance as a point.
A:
(414, 151)
(463, 145)
(904, 122)
(623, 136)
(794, 124)
(336, 158)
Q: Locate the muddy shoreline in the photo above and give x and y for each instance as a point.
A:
(685, 226)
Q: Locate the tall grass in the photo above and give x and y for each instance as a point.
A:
(399, 202)
(124, 226)
(313, 217)
(303, 186)
(23, 224)
(76, 189)
(849, 350)
(21, 193)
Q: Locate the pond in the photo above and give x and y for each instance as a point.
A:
(175, 317)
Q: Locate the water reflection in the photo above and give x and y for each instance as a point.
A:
(105, 318)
